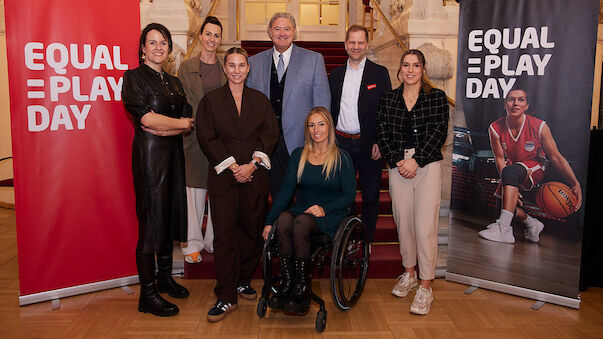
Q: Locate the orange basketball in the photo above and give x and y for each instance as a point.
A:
(556, 199)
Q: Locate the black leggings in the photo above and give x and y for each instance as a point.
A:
(293, 234)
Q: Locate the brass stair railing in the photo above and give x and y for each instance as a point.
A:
(402, 45)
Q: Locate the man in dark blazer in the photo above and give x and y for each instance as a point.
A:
(356, 88)
(295, 81)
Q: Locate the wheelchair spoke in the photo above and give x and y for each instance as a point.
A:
(352, 266)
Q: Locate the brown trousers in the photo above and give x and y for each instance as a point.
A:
(416, 209)
(238, 217)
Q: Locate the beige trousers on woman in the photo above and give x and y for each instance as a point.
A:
(416, 209)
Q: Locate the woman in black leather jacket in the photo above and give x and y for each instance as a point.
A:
(160, 115)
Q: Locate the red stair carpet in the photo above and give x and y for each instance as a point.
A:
(333, 52)
(385, 260)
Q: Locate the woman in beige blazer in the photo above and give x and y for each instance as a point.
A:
(200, 75)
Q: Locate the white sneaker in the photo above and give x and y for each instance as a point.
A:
(495, 232)
(405, 284)
(421, 304)
(532, 231)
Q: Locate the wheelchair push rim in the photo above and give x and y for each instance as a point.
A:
(349, 263)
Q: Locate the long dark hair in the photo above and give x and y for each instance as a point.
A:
(424, 83)
(143, 38)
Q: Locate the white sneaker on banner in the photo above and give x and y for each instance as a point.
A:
(532, 231)
(498, 233)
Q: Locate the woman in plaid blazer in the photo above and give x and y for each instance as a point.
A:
(412, 122)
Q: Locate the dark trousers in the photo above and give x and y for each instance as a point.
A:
(369, 180)
(278, 161)
(238, 218)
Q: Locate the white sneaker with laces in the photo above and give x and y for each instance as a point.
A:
(421, 304)
(532, 231)
(405, 284)
(498, 233)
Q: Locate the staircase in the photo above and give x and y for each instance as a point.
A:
(385, 260)
(333, 52)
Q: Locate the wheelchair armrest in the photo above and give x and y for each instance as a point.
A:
(271, 238)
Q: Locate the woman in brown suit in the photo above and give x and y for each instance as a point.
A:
(238, 132)
(199, 75)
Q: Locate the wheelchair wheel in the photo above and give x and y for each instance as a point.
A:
(321, 320)
(262, 307)
(349, 263)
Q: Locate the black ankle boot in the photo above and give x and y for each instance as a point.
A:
(281, 292)
(299, 302)
(150, 301)
(165, 282)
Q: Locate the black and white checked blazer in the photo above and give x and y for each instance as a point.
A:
(429, 119)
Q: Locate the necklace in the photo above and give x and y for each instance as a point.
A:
(318, 155)
(410, 102)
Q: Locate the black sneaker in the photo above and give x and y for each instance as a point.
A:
(219, 311)
(247, 292)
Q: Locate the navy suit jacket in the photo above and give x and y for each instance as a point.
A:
(306, 86)
(375, 83)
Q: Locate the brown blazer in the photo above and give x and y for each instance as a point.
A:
(224, 133)
(195, 161)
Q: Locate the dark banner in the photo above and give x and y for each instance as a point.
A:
(524, 91)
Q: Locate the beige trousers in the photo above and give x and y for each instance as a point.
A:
(416, 209)
(195, 198)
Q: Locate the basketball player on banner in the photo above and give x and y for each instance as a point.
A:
(522, 145)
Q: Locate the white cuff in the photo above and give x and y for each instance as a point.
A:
(225, 164)
(265, 160)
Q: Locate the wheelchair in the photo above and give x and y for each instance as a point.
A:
(348, 254)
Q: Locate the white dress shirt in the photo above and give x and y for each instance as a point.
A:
(348, 120)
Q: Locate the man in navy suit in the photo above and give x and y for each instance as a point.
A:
(295, 80)
(356, 88)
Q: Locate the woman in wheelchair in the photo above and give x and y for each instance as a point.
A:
(326, 180)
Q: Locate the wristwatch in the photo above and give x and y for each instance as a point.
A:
(256, 164)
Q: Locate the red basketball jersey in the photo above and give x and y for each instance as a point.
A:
(526, 145)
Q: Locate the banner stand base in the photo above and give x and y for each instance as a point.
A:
(127, 290)
(537, 305)
(75, 290)
(471, 290)
(514, 290)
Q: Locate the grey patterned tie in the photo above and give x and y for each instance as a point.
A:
(280, 68)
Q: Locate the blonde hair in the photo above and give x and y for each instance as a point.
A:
(333, 158)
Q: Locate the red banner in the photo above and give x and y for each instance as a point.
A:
(74, 197)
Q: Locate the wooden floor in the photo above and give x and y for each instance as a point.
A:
(112, 313)
(534, 266)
